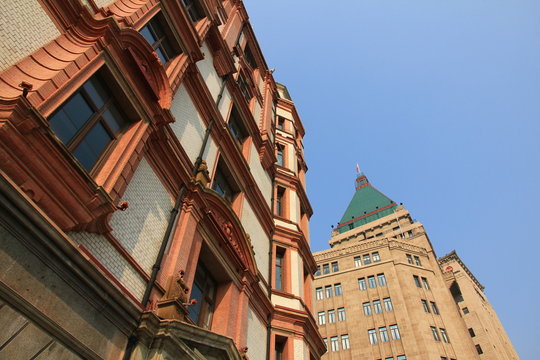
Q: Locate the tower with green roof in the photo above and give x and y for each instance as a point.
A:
(368, 204)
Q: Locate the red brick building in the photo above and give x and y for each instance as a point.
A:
(151, 186)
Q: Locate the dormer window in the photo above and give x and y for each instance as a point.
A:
(194, 10)
(155, 32)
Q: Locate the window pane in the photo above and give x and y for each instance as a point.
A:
(115, 119)
(145, 31)
(98, 94)
(71, 118)
(92, 146)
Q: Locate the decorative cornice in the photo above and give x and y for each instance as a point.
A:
(453, 256)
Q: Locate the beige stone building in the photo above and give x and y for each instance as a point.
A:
(381, 293)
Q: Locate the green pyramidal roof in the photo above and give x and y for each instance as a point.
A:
(368, 204)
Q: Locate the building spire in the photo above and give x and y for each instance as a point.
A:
(368, 204)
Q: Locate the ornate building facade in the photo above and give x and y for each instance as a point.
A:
(381, 292)
(151, 186)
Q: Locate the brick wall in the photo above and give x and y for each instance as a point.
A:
(262, 178)
(259, 240)
(109, 257)
(188, 127)
(208, 72)
(256, 337)
(140, 229)
(24, 28)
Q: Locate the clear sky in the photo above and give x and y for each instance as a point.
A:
(439, 103)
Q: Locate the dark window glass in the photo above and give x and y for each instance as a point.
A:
(479, 349)
(417, 281)
(326, 269)
(335, 267)
(193, 9)
(280, 154)
(222, 185)
(279, 269)
(89, 121)
(154, 33)
(244, 87)
(471, 332)
(236, 127)
(279, 212)
(204, 291)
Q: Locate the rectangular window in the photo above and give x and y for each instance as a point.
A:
(371, 282)
(335, 267)
(325, 342)
(280, 210)
(409, 258)
(395, 332)
(444, 358)
(341, 314)
(382, 279)
(372, 334)
(322, 318)
(204, 291)
(388, 304)
(236, 127)
(337, 289)
(357, 261)
(401, 357)
(465, 310)
(326, 269)
(383, 334)
(375, 256)
(417, 281)
(331, 316)
(155, 33)
(280, 253)
(425, 282)
(345, 344)
(89, 121)
(334, 343)
(471, 332)
(281, 343)
(367, 308)
(318, 272)
(328, 291)
(280, 122)
(389, 358)
(222, 183)
(279, 155)
(417, 261)
(425, 305)
(318, 293)
(434, 308)
(435, 333)
(242, 83)
(367, 259)
(377, 306)
(194, 10)
(444, 335)
(362, 284)
(478, 349)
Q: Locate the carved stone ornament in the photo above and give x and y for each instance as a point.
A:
(173, 304)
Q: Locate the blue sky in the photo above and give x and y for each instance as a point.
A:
(439, 103)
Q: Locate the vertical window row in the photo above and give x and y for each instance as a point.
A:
(433, 305)
(371, 281)
(334, 342)
(319, 294)
(384, 334)
(436, 337)
(326, 268)
(413, 259)
(419, 284)
(367, 259)
(377, 306)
